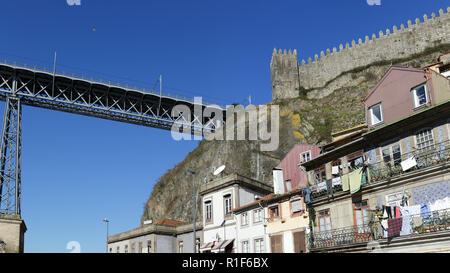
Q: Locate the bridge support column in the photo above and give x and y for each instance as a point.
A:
(12, 227)
(10, 176)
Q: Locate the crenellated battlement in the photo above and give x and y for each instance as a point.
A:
(398, 42)
(381, 35)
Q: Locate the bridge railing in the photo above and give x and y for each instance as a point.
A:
(60, 72)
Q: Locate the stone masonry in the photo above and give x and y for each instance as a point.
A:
(402, 42)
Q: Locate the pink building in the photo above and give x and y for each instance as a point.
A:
(403, 91)
(293, 176)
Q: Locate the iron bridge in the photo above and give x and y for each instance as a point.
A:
(22, 84)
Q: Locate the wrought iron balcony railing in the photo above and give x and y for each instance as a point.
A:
(381, 170)
(427, 157)
(414, 225)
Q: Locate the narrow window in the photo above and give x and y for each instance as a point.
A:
(320, 175)
(296, 205)
(288, 185)
(376, 114)
(257, 216)
(244, 219)
(361, 212)
(274, 212)
(245, 247)
(180, 247)
(228, 204)
(208, 211)
(324, 220)
(259, 245)
(420, 95)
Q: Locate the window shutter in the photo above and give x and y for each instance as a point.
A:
(299, 242)
(296, 206)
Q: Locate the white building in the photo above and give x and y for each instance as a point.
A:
(251, 228)
(166, 236)
(219, 198)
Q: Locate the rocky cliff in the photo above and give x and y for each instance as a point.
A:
(308, 117)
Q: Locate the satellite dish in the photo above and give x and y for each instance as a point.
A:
(219, 170)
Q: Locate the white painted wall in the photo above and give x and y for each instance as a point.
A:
(250, 232)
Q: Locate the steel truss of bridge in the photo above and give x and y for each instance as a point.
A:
(39, 87)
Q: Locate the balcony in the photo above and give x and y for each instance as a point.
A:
(381, 171)
(433, 155)
(417, 225)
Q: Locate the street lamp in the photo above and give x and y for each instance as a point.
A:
(107, 232)
(195, 210)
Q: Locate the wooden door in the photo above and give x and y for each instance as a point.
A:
(299, 242)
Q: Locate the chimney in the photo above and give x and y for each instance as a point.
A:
(278, 186)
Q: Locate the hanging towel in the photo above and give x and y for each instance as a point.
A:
(335, 170)
(355, 180)
(394, 227)
(345, 182)
(406, 224)
(363, 177)
(336, 181)
(408, 164)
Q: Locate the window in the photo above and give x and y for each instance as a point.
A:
(320, 175)
(245, 247)
(296, 205)
(274, 212)
(324, 220)
(208, 211)
(244, 219)
(259, 245)
(276, 243)
(140, 247)
(110, 250)
(257, 215)
(228, 204)
(355, 160)
(180, 247)
(305, 157)
(420, 96)
(424, 140)
(133, 248)
(288, 185)
(149, 246)
(376, 114)
(126, 248)
(118, 249)
(361, 214)
(396, 155)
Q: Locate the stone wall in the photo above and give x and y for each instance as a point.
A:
(12, 230)
(396, 43)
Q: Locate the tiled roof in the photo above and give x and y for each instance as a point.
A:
(255, 202)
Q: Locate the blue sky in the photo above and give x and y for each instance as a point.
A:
(77, 170)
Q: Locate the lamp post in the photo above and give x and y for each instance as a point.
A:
(107, 232)
(195, 211)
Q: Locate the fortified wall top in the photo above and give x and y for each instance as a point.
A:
(288, 76)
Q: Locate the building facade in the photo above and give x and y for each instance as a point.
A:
(219, 198)
(393, 178)
(166, 236)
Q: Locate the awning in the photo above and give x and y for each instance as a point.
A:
(220, 246)
(206, 247)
